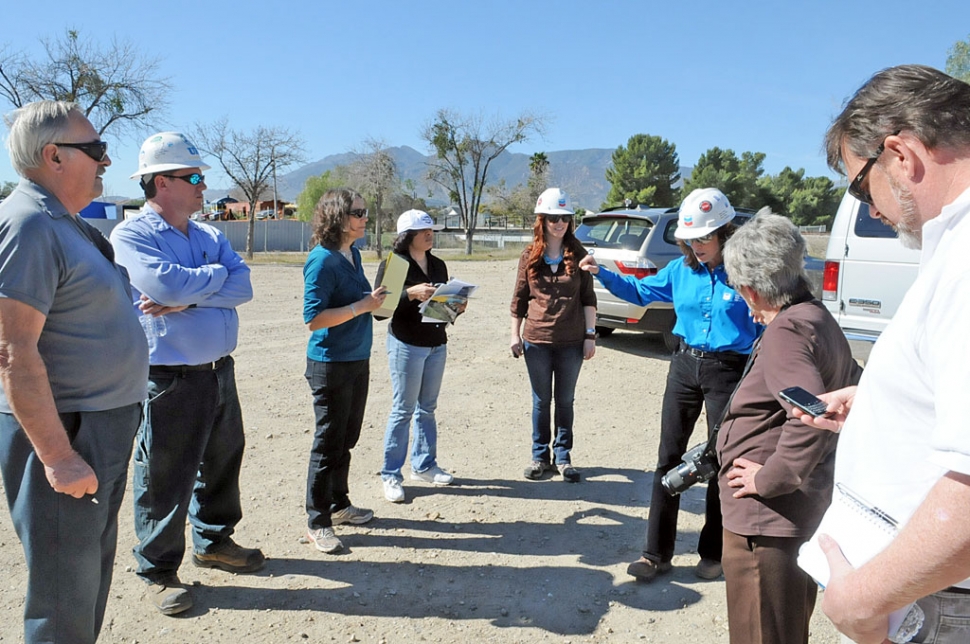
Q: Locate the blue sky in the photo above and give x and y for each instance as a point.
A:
(759, 76)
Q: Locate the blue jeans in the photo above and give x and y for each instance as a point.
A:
(553, 366)
(339, 392)
(69, 543)
(416, 374)
(187, 460)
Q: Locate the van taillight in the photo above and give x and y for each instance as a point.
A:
(830, 281)
(636, 269)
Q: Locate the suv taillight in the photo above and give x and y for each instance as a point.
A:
(639, 269)
(830, 281)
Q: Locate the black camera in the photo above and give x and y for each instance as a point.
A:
(700, 464)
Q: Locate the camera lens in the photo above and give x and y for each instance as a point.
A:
(679, 479)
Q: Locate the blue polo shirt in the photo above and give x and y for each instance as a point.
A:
(711, 316)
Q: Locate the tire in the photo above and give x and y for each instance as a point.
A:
(605, 331)
(671, 341)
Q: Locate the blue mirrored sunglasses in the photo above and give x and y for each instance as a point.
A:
(195, 178)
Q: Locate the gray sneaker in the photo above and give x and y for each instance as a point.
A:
(325, 540)
(535, 470)
(169, 595)
(351, 514)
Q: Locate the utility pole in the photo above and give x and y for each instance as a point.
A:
(276, 212)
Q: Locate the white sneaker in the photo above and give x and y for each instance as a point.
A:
(434, 475)
(393, 491)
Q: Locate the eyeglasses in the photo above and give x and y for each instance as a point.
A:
(360, 213)
(855, 188)
(555, 219)
(96, 150)
(701, 240)
(195, 178)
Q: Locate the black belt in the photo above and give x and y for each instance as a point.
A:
(957, 590)
(717, 355)
(185, 368)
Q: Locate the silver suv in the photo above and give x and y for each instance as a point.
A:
(636, 242)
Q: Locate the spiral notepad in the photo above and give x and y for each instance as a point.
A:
(862, 531)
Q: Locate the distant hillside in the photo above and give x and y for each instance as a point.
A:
(581, 173)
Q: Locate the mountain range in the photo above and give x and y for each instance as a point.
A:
(581, 173)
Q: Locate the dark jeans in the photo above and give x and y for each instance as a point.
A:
(691, 383)
(69, 543)
(339, 394)
(187, 460)
(553, 366)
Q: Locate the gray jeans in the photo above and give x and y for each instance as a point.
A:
(947, 619)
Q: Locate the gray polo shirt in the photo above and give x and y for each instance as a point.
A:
(92, 343)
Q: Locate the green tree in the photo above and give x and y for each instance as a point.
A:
(314, 188)
(464, 148)
(742, 180)
(6, 188)
(115, 85)
(958, 60)
(644, 172)
(808, 201)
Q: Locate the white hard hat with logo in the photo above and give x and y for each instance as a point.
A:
(167, 151)
(553, 202)
(702, 212)
(416, 220)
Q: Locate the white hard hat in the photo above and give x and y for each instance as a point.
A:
(167, 151)
(703, 211)
(416, 220)
(553, 201)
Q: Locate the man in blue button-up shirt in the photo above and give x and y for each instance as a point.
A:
(188, 281)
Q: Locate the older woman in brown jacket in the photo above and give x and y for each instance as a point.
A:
(776, 473)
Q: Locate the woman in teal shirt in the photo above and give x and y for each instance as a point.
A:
(337, 302)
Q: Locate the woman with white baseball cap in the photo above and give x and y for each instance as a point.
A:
(416, 353)
(553, 325)
(717, 333)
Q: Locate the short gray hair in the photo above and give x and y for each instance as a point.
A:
(931, 105)
(34, 126)
(767, 255)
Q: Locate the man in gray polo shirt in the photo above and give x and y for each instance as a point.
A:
(73, 373)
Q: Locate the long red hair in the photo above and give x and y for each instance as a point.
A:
(572, 250)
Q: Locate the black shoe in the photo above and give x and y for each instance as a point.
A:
(536, 469)
(569, 473)
(645, 569)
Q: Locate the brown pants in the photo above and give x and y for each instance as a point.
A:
(770, 599)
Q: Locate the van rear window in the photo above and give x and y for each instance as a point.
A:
(607, 232)
(866, 226)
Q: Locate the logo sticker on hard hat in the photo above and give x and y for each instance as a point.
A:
(562, 202)
(688, 220)
(706, 206)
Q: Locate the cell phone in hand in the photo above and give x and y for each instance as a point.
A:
(805, 401)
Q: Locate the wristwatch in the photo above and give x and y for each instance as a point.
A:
(590, 334)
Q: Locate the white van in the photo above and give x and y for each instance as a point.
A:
(867, 272)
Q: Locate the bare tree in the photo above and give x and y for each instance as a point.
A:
(374, 173)
(248, 159)
(115, 85)
(464, 147)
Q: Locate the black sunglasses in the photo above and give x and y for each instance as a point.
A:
(195, 178)
(855, 188)
(360, 213)
(97, 150)
(555, 219)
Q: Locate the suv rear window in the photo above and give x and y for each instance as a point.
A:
(866, 226)
(614, 232)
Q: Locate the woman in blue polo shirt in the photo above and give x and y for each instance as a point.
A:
(337, 301)
(717, 334)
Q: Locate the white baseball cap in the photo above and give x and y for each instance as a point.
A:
(416, 220)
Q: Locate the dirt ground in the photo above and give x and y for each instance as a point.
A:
(493, 558)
